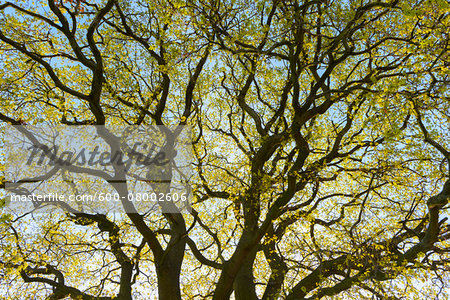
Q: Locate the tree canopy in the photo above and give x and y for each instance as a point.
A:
(320, 137)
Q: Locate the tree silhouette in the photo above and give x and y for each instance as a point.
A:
(318, 134)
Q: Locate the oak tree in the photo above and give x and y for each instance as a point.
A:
(320, 136)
